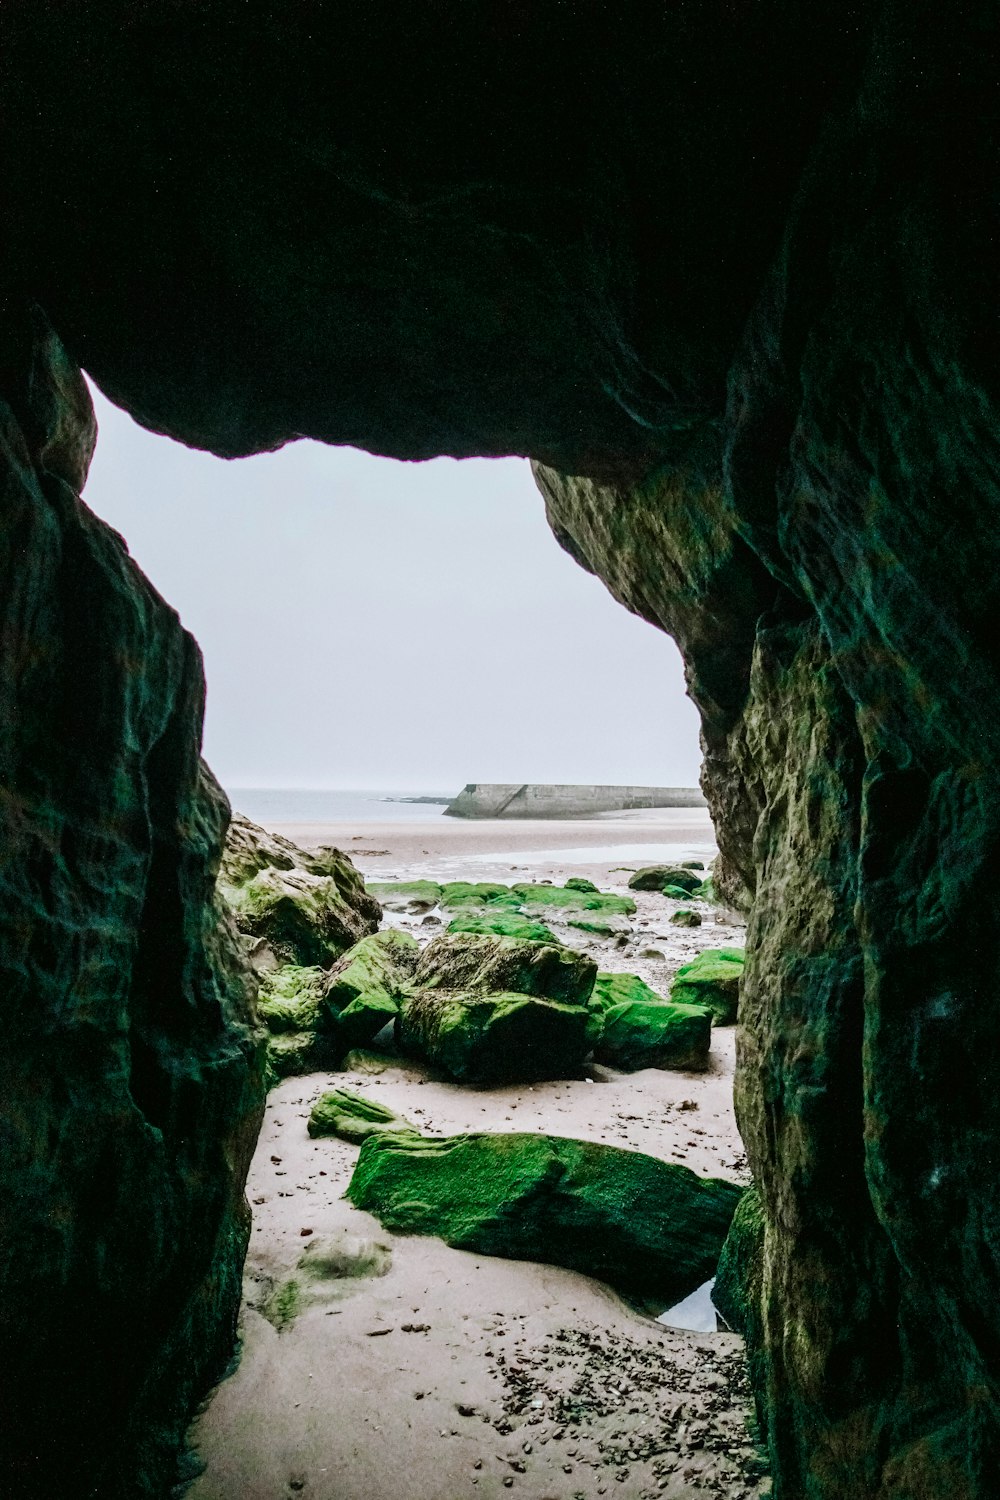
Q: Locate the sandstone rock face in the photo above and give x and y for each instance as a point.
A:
(132, 1067)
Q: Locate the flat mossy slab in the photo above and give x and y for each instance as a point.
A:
(492, 1038)
(712, 979)
(363, 988)
(601, 924)
(639, 1029)
(655, 877)
(648, 1228)
(486, 964)
(458, 893)
(503, 923)
(570, 898)
(405, 895)
(352, 1117)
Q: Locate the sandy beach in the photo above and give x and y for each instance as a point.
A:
(398, 1367)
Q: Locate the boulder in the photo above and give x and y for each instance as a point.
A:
(405, 895)
(484, 964)
(580, 883)
(639, 1029)
(706, 891)
(676, 893)
(654, 878)
(308, 907)
(601, 924)
(691, 864)
(503, 923)
(683, 917)
(289, 1002)
(363, 988)
(712, 979)
(648, 1228)
(354, 1118)
(501, 1037)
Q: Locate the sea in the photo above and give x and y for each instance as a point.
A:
(270, 804)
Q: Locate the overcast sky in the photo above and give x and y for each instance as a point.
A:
(373, 624)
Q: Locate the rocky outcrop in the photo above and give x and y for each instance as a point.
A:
(650, 1228)
(292, 905)
(132, 1070)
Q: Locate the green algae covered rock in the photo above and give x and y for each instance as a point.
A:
(491, 1038)
(580, 883)
(405, 895)
(363, 989)
(712, 979)
(289, 1004)
(308, 907)
(655, 877)
(572, 898)
(684, 917)
(486, 964)
(648, 1228)
(738, 1289)
(502, 923)
(677, 893)
(601, 924)
(352, 1117)
(458, 893)
(706, 891)
(639, 1029)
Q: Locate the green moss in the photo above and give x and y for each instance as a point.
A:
(600, 925)
(284, 1305)
(484, 964)
(738, 1289)
(289, 998)
(706, 891)
(497, 1037)
(503, 923)
(363, 988)
(684, 917)
(303, 916)
(580, 883)
(352, 1117)
(712, 979)
(405, 895)
(639, 1029)
(676, 893)
(459, 893)
(648, 1228)
(568, 898)
(655, 877)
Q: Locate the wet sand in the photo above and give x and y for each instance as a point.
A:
(400, 1369)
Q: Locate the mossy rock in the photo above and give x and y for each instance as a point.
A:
(483, 964)
(738, 1289)
(655, 877)
(706, 891)
(684, 917)
(503, 923)
(648, 1228)
(291, 1053)
(359, 1060)
(691, 864)
(405, 895)
(570, 898)
(364, 987)
(492, 1038)
(676, 893)
(581, 883)
(352, 1117)
(309, 907)
(289, 998)
(601, 924)
(712, 979)
(639, 1029)
(459, 893)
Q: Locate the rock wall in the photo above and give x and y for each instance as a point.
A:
(131, 1071)
(537, 800)
(731, 267)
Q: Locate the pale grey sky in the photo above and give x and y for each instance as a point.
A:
(367, 623)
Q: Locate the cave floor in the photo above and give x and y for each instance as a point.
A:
(376, 1365)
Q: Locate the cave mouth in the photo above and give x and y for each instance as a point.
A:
(534, 643)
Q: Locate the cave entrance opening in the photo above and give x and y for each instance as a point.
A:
(375, 634)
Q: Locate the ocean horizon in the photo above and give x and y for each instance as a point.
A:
(325, 805)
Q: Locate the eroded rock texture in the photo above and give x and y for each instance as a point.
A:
(734, 269)
(130, 1074)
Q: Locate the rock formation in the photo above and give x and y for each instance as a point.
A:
(728, 273)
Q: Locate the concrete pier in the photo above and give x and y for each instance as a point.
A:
(536, 800)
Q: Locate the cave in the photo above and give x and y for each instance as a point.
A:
(724, 274)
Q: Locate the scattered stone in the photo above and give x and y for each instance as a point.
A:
(684, 917)
(354, 1118)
